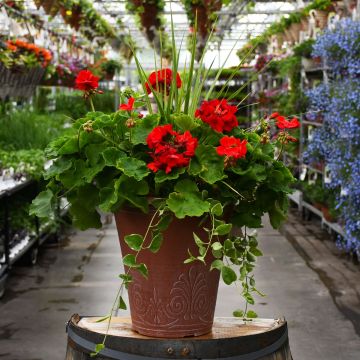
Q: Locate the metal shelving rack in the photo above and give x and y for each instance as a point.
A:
(28, 243)
(307, 209)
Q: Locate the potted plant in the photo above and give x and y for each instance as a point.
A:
(109, 67)
(178, 180)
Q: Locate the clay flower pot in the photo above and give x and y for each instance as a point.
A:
(295, 29)
(177, 299)
(326, 213)
(321, 18)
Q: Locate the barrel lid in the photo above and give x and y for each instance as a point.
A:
(230, 338)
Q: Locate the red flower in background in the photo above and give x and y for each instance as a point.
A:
(218, 114)
(161, 80)
(170, 149)
(128, 106)
(86, 81)
(232, 147)
(282, 123)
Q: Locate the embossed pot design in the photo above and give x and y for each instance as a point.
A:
(177, 299)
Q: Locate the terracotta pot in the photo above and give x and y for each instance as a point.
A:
(318, 205)
(328, 217)
(309, 64)
(321, 18)
(295, 29)
(177, 299)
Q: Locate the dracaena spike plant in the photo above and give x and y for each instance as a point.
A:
(186, 158)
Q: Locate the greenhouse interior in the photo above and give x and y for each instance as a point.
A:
(128, 127)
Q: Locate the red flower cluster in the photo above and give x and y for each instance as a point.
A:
(282, 123)
(232, 147)
(86, 81)
(42, 54)
(218, 114)
(170, 149)
(161, 81)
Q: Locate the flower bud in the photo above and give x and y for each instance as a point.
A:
(130, 123)
(88, 126)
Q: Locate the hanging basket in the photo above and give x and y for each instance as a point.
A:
(150, 21)
(47, 5)
(19, 83)
(199, 10)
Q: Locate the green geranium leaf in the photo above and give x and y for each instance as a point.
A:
(83, 207)
(88, 138)
(84, 218)
(112, 155)
(255, 172)
(276, 215)
(133, 167)
(187, 201)
(70, 146)
(228, 275)
(133, 191)
(248, 219)
(93, 152)
(184, 122)
(143, 128)
(161, 176)
(52, 150)
(43, 205)
(210, 164)
(58, 167)
(134, 241)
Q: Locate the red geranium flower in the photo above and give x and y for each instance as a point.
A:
(160, 80)
(128, 106)
(218, 114)
(232, 147)
(282, 123)
(170, 149)
(274, 115)
(158, 135)
(86, 81)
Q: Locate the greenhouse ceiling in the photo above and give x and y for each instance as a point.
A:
(236, 22)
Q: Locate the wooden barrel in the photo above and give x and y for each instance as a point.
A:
(231, 338)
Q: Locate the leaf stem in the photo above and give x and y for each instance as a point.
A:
(91, 104)
(234, 190)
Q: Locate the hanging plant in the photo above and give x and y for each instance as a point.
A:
(202, 16)
(151, 23)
